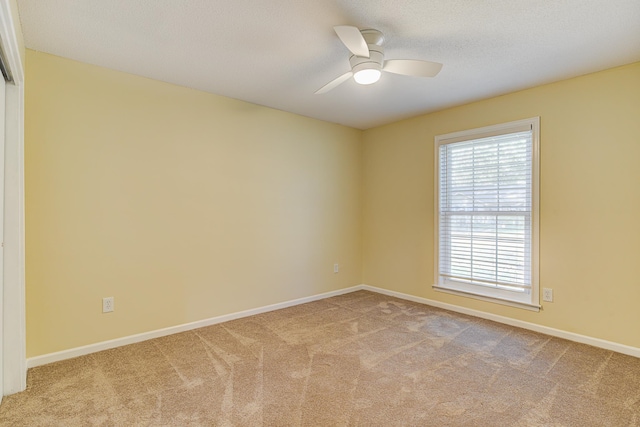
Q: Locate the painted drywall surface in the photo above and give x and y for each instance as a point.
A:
(180, 204)
(589, 210)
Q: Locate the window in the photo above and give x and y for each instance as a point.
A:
(487, 213)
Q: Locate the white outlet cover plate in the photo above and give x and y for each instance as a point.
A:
(107, 305)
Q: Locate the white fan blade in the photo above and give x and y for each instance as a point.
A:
(352, 38)
(412, 67)
(333, 83)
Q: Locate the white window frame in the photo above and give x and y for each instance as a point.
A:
(528, 299)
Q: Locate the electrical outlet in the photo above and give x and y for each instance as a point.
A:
(547, 294)
(336, 268)
(107, 305)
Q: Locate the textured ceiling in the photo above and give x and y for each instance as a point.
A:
(279, 52)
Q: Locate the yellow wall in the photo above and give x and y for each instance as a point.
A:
(589, 210)
(185, 205)
(182, 205)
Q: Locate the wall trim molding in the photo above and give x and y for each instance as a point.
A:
(571, 336)
(14, 324)
(144, 336)
(131, 339)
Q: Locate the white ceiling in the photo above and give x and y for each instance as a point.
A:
(279, 52)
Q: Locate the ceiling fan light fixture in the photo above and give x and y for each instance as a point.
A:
(367, 71)
(367, 76)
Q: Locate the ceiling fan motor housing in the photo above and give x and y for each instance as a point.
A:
(374, 39)
(374, 61)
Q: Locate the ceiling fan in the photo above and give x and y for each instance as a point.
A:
(367, 61)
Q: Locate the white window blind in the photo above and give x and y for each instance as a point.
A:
(485, 214)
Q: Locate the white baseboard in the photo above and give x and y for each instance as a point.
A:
(131, 339)
(584, 339)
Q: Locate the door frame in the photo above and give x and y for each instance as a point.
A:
(13, 333)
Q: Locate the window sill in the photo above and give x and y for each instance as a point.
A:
(524, 306)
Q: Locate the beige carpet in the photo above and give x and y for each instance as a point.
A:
(357, 359)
